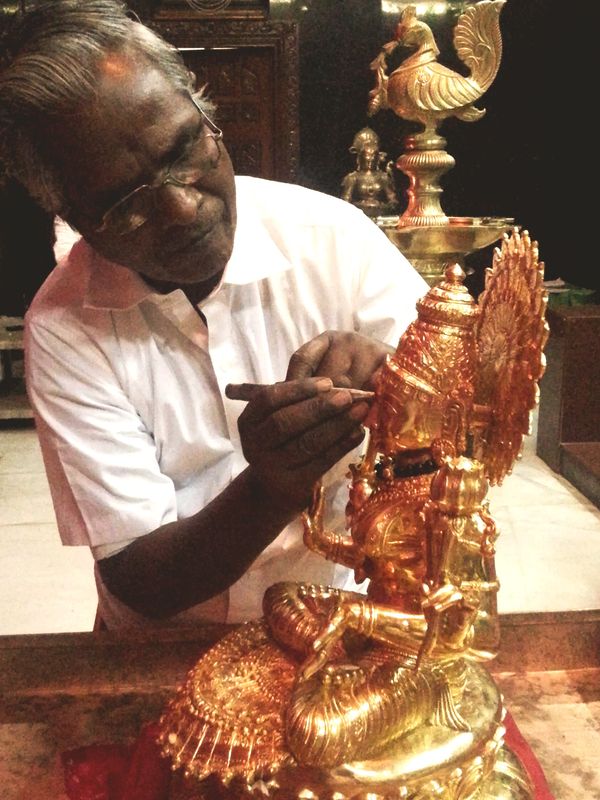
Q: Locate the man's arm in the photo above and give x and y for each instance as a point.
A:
(291, 434)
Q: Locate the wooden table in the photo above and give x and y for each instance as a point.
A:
(62, 691)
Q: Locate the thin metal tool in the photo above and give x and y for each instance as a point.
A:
(245, 391)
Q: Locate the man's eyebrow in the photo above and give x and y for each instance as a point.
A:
(182, 142)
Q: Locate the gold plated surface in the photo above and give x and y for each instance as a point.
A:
(511, 334)
(381, 695)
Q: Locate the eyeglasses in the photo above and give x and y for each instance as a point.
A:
(136, 208)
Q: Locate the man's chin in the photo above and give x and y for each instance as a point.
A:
(196, 265)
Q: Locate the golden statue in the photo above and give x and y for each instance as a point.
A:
(337, 695)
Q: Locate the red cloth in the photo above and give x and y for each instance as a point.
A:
(118, 772)
(139, 772)
(515, 741)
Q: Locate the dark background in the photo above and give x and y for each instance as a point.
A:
(510, 163)
(507, 164)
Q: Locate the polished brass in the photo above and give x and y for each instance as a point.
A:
(429, 248)
(338, 694)
(424, 91)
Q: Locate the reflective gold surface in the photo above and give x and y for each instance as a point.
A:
(342, 695)
(425, 91)
(430, 247)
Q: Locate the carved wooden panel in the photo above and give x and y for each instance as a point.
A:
(241, 80)
(232, 7)
(251, 68)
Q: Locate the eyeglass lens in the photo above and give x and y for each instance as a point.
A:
(134, 211)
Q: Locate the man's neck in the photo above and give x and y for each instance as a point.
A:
(195, 292)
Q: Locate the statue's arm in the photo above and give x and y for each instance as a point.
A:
(332, 546)
(347, 187)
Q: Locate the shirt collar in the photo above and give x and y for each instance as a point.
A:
(255, 256)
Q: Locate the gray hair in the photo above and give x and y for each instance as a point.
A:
(50, 68)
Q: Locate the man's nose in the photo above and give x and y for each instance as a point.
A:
(178, 205)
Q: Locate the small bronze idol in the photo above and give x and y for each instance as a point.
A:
(371, 185)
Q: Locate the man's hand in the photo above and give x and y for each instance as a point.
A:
(293, 432)
(350, 360)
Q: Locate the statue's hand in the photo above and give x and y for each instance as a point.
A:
(440, 599)
(312, 518)
(347, 614)
(449, 613)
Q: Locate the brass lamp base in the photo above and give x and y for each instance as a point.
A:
(430, 248)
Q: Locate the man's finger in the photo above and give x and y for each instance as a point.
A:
(333, 436)
(248, 391)
(304, 362)
(280, 394)
(311, 419)
(243, 391)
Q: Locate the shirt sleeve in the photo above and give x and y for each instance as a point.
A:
(106, 485)
(387, 286)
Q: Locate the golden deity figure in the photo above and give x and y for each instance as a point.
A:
(338, 695)
(370, 187)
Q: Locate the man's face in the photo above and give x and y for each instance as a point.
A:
(138, 125)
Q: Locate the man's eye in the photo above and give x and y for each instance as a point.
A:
(189, 144)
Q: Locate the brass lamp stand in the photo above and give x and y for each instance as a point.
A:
(423, 90)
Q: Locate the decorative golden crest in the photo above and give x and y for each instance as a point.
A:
(228, 717)
(511, 334)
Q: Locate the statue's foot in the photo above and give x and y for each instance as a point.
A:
(342, 676)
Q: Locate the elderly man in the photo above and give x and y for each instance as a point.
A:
(185, 280)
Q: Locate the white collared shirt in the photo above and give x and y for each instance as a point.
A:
(128, 385)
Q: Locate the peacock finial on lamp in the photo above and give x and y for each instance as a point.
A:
(424, 91)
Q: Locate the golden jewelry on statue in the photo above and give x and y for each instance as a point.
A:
(336, 695)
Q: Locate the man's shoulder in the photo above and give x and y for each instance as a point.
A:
(276, 200)
(64, 288)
